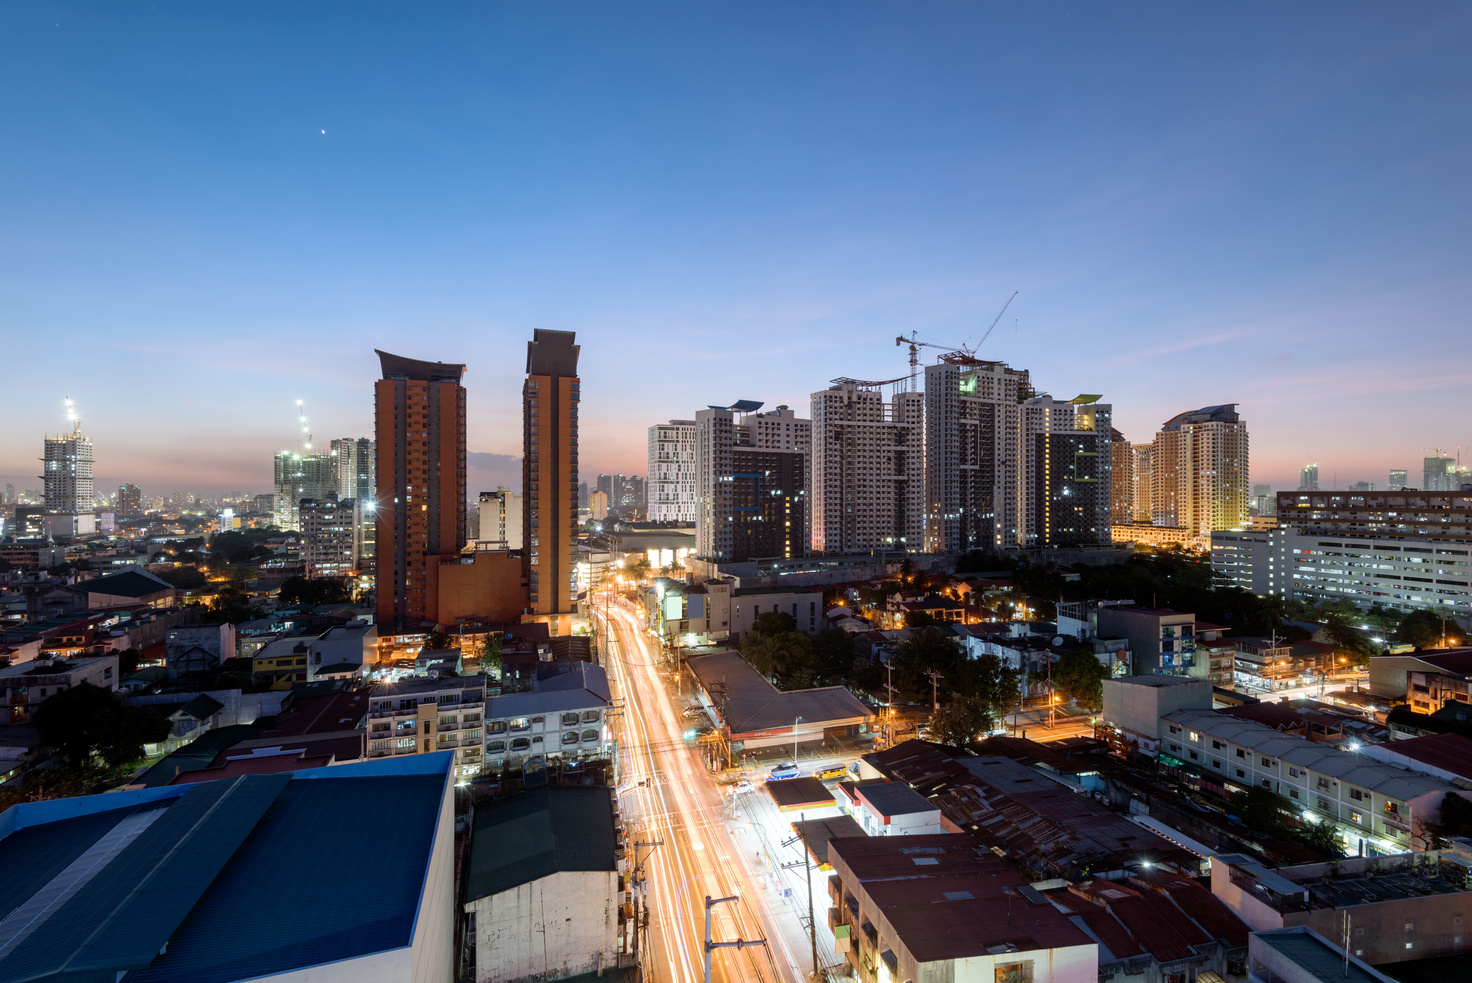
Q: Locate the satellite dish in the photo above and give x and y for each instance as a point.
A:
(1057, 640)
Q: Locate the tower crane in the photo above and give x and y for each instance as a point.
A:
(956, 354)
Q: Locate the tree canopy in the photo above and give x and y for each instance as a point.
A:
(87, 721)
(316, 590)
(959, 722)
(1080, 676)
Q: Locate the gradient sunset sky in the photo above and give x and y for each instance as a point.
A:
(212, 210)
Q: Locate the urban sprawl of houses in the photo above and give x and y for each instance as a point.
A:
(950, 679)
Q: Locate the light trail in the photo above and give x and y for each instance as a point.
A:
(677, 802)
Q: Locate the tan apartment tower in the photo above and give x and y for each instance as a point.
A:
(1199, 471)
(419, 430)
(550, 483)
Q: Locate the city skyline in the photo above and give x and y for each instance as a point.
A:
(224, 214)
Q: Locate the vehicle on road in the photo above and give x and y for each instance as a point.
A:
(695, 711)
(787, 770)
(832, 771)
(741, 788)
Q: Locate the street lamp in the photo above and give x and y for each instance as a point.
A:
(794, 740)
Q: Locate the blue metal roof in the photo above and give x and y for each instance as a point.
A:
(230, 880)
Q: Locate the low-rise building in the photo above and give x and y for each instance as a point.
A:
(283, 662)
(198, 648)
(423, 716)
(189, 882)
(890, 808)
(940, 908)
(564, 716)
(353, 644)
(1160, 640)
(752, 713)
(1396, 908)
(1301, 955)
(1133, 705)
(552, 907)
(25, 686)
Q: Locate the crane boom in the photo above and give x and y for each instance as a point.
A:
(995, 320)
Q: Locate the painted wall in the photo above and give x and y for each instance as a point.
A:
(554, 926)
(484, 585)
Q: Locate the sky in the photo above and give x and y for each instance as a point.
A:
(213, 210)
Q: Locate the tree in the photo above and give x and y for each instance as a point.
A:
(959, 722)
(184, 578)
(1347, 637)
(924, 650)
(1080, 676)
(833, 655)
(1263, 811)
(637, 565)
(1419, 628)
(317, 590)
(439, 640)
(1456, 820)
(774, 623)
(918, 619)
(785, 656)
(87, 721)
(995, 685)
(490, 654)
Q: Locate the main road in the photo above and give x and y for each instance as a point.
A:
(668, 797)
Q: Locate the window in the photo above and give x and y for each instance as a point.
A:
(1265, 783)
(1292, 772)
(1356, 817)
(569, 719)
(1216, 745)
(1020, 972)
(520, 744)
(1215, 763)
(1241, 773)
(569, 737)
(1267, 762)
(1195, 755)
(1356, 794)
(1241, 753)
(590, 716)
(519, 724)
(590, 735)
(1323, 805)
(495, 746)
(1174, 729)
(496, 727)
(1293, 793)
(1193, 735)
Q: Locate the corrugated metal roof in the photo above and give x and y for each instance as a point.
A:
(539, 833)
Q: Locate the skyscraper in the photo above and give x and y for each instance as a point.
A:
(751, 483)
(1142, 478)
(550, 399)
(1437, 474)
(68, 465)
(1199, 471)
(500, 519)
(355, 462)
(1397, 480)
(1308, 477)
(299, 476)
(1121, 479)
(331, 533)
(868, 470)
(971, 492)
(1064, 471)
(419, 429)
(130, 500)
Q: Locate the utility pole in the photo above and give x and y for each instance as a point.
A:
(638, 880)
(807, 870)
(889, 704)
(712, 946)
(935, 677)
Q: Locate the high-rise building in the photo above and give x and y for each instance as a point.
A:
(1362, 486)
(331, 535)
(1121, 479)
(550, 464)
(598, 505)
(751, 483)
(971, 491)
(1199, 471)
(356, 478)
(300, 476)
(1065, 471)
(583, 495)
(634, 499)
(9, 494)
(1437, 474)
(1263, 503)
(130, 500)
(419, 430)
(68, 465)
(500, 519)
(672, 472)
(1397, 480)
(1143, 477)
(868, 470)
(1308, 477)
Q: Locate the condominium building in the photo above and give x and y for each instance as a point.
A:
(971, 453)
(419, 431)
(130, 500)
(565, 716)
(1439, 474)
(500, 519)
(331, 535)
(550, 398)
(421, 716)
(298, 476)
(1142, 477)
(67, 463)
(1397, 481)
(1199, 471)
(1121, 478)
(1263, 503)
(671, 485)
(751, 483)
(1308, 477)
(1065, 471)
(868, 470)
(355, 466)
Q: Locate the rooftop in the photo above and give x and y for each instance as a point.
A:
(419, 685)
(946, 898)
(894, 799)
(1352, 881)
(751, 703)
(530, 836)
(791, 794)
(126, 583)
(1449, 752)
(215, 882)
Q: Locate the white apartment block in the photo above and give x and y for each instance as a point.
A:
(565, 716)
(331, 531)
(500, 519)
(971, 452)
(1376, 808)
(671, 489)
(421, 716)
(868, 470)
(752, 475)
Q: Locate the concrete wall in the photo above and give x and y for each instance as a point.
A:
(484, 585)
(1388, 674)
(432, 947)
(1133, 706)
(240, 708)
(1070, 964)
(555, 926)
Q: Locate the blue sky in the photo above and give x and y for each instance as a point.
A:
(1262, 203)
